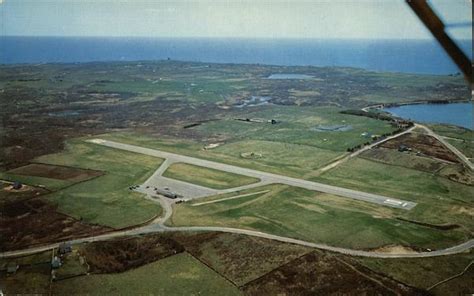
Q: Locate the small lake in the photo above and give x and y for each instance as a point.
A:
(289, 76)
(460, 114)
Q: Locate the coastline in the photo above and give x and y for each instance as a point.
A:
(434, 102)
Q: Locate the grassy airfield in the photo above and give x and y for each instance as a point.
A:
(206, 177)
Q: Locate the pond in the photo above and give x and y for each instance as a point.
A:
(460, 114)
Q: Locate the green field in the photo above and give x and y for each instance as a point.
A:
(299, 125)
(453, 132)
(425, 272)
(105, 200)
(280, 158)
(293, 147)
(465, 146)
(395, 158)
(207, 177)
(313, 216)
(33, 276)
(461, 138)
(50, 184)
(180, 274)
(28, 281)
(440, 201)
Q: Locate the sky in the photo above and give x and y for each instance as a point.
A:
(361, 19)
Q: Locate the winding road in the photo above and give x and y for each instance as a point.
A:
(158, 227)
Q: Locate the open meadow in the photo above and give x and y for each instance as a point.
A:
(104, 199)
(180, 274)
(316, 217)
(207, 177)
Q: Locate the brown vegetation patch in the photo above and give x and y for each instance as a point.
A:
(124, 254)
(56, 172)
(239, 258)
(319, 273)
(15, 209)
(192, 241)
(8, 195)
(425, 144)
(458, 173)
(26, 223)
(464, 210)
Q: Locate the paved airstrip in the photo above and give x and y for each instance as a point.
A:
(194, 191)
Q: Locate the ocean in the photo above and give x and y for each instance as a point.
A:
(410, 56)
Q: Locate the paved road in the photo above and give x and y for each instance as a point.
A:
(265, 177)
(157, 228)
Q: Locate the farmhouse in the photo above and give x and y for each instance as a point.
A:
(17, 185)
(403, 148)
(65, 248)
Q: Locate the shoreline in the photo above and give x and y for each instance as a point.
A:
(431, 102)
(381, 108)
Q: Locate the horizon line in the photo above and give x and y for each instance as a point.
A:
(220, 37)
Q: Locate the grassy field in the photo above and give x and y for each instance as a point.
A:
(34, 280)
(465, 146)
(281, 158)
(105, 200)
(461, 138)
(453, 132)
(180, 274)
(299, 125)
(440, 201)
(313, 216)
(407, 160)
(32, 277)
(51, 184)
(207, 177)
(44, 257)
(463, 285)
(293, 147)
(423, 272)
